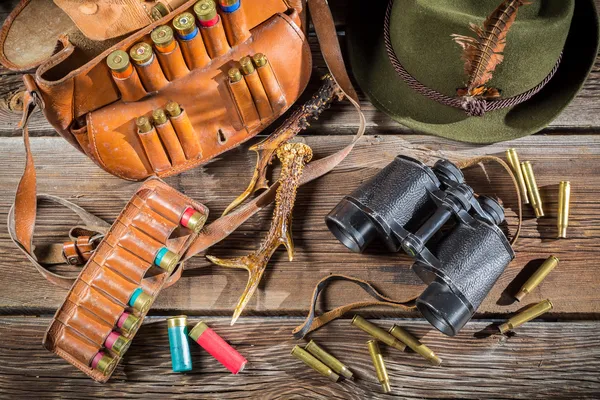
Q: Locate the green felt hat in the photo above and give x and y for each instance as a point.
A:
(420, 39)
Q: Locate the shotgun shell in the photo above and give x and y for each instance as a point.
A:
(336, 365)
(118, 62)
(218, 348)
(382, 375)
(412, 342)
(166, 259)
(260, 60)
(230, 6)
(181, 358)
(141, 53)
(538, 276)
(173, 109)
(185, 25)
(206, 12)
(564, 198)
(140, 300)
(159, 11)
(159, 116)
(526, 315)
(128, 323)
(163, 39)
(234, 75)
(247, 66)
(315, 364)
(117, 343)
(193, 220)
(103, 363)
(532, 189)
(143, 124)
(515, 164)
(377, 333)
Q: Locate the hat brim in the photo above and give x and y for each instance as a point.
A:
(388, 92)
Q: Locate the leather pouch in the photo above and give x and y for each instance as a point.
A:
(122, 263)
(97, 112)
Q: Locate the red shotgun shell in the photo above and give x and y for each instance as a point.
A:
(218, 348)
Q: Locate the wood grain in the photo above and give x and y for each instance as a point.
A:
(540, 361)
(286, 287)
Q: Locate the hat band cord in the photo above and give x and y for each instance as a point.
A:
(474, 107)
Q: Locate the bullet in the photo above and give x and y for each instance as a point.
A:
(377, 333)
(513, 161)
(103, 363)
(173, 109)
(532, 189)
(141, 53)
(382, 375)
(564, 199)
(117, 343)
(128, 323)
(247, 66)
(538, 276)
(193, 220)
(166, 259)
(525, 316)
(260, 60)
(315, 364)
(415, 344)
(234, 75)
(144, 125)
(118, 62)
(140, 300)
(159, 116)
(336, 365)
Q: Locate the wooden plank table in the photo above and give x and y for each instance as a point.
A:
(557, 356)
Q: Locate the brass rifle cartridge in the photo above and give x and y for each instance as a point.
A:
(526, 315)
(415, 344)
(336, 365)
(382, 375)
(532, 189)
(564, 198)
(260, 60)
(234, 75)
(173, 109)
(159, 116)
(247, 66)
(513, 161)
(377, 333)
(315, 364)
(143, 124)
(538, 276)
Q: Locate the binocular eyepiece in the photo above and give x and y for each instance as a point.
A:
(435, 217)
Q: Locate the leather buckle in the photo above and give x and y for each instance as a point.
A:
(78, 251)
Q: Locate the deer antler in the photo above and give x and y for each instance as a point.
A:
(298, 121)
(293, 157)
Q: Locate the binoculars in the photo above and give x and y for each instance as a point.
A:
(435, 217)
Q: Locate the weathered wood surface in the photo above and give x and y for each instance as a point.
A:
(541, 361)
(287, 286)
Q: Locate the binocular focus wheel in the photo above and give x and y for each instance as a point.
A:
(448, 170)
(493, 208)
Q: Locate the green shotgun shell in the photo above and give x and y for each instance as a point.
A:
(140, 301)
(247, 66)
(143, 124)
(173, 109)
(377, 333)
(526, 315)
(205, 10)
(234, 75)
(315, 364)
(538, 276)
(118, 61)
(260, 60)
(159, 116)
(141, 53)
(336, 365)
(415, 344)
(377, 358)
(166, 259)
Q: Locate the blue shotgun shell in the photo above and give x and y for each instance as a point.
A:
(181, 358)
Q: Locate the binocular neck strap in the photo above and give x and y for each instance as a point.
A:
(482, 159)
(313, 322)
